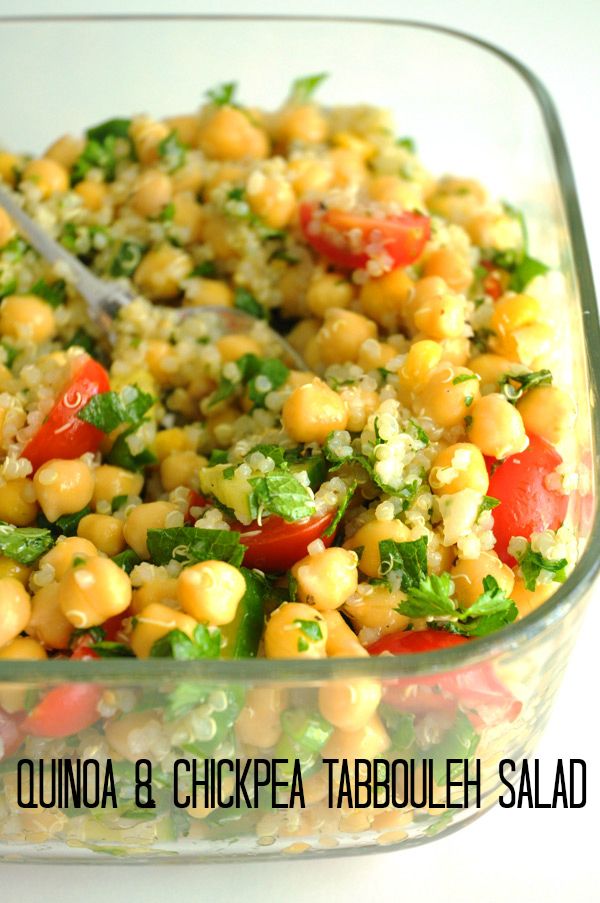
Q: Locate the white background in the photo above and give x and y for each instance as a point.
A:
(516, 855)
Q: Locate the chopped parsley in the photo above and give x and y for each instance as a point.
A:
(533, 563)
(127, 259)
(488, 503)
(342, 509)
(303, 89)
(223, 95)
(24, 544)
(54, 293)
(280, 493)
(108, 410)
(111, 649)
(407, 143)
(205, 643)
(245, 300)
(65, 525)
(127, 560)
(117, 128)
(310, 633)
(463, 377)
(251, 368)
(172, 152)
(525, 381)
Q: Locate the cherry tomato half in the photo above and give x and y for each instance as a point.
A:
(63, 434)
(277, 545)
(496, 281)
(11, 735)
(526, 504)
(333, 233)
(66, 709)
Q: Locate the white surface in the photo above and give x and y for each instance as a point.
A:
(518, 855)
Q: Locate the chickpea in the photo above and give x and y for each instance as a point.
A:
(211, 591)
(489, 229)
(17, 502)
(208, 292)
(149, 516)
(180, 469)
(159, 589)
(300, 122)
(13, 699)
(259, 722)
(190, 176)
(385, 299)
(104, 531)
(528, 600)
(312, 411)
(452, 267)
(327, 578)
(436, 311)
(7, 230)
(48, 176)
(219, 426)
(468, 575)
(189, 216)
(162, 271)
(457, 199)
(341, 642)
(65, 150)
(233, 346)
(350, 704)
(293, 285)
(457, 467)
(377, 609)
(307, 175)
(61, 557)
(92, 194)
(456, 350)
(11, 568)
(172, 440)
(422, 358)
(92, 592)
(47, 623)
(361, 403)
(185, 127)
(490, 368)
(63, 487)
(374, 354)
(327, 290)
(446, 397)
(348, 167)
(113, 481)
(228, 134)
(368, 538)
(496, 427)
(359, 146)
(302, 333)
(152, 193)
(392, 190)
(342, 334)
(271, 198)
(532, 345)
(9, 166)
(15, 611)
(368, 742)
(512, 312)
(295, 630)
(156, 621)
(146, 135)
(547, 411)
(127, 732)
(27, 317)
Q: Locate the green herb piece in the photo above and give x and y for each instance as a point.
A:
(303, 89)
(108, 410)
(54, 293)
(96, 155)
(83, 339)
(127, 259)
(407, 559)
(127, 560)
(488, 503)
(110, 649)
(172, 152)
(167, 213)
(292, 588)
(15, 249)
(533, 563)
(463, 377)
(9, 288)
(307, 730)
(400, 727)
(276, 372)
(206, 270)
(245, 300)
(420, 432)
(275, 452)
(241, 638)
(342, 509)
(12, 353)
(24, 544)
(492, 610)
(460, 742)
(192, 544)
(481, 337)
(280, 493)
(218, 456)
(468, 421)
(430, 599)
(116, 128)
(120, 454)
(205, 643)
(526, 270)
(310, 629)
(96, 634)
(250, 367)
(117, 502)
(525, 381)
(223, 95)
(65, 525)
(407, 143)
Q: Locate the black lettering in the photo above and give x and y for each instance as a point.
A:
(144, 782)
(505, 765)
(583, 769)
(25, 782)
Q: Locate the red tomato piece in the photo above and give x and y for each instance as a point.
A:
(405, 642)
(277, 545)
(195, 500)
(65, 710)
(343, 237)
(492, 283)
(11, 735)
(526, 504)
(63, 434)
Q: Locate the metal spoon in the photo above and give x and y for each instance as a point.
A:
(105, 298)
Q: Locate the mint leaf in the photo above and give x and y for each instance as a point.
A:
(222, 95)
(282, 494)
(110, 649)
(276, 372)
(206, 643)
(533, 563)
(24, 544)
(303, 89)
(408, 559)
(407, 143)
(525, 381)
(172, 152)
(65, 525)
(342, 509)
(108, 410)
(96, 155)
(120, 454)
(525, 271)
(117, 128)
(245, 300)
(192, 544)
(54, 293)
(127, 560)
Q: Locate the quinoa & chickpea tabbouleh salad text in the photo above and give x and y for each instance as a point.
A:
(188, 496)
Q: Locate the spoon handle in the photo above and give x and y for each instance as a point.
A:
(104, 298)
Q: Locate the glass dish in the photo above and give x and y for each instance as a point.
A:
(475, 111)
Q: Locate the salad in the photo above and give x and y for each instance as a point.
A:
(192, 495)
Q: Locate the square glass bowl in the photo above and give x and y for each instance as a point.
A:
(477, 112)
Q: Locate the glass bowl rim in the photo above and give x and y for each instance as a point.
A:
(259, 670)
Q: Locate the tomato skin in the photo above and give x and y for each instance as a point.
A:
(63, 435)
(475, 689)
(66, 709)
(493, 284)
(403, 236)
(11, 735)
(277, 545)
(526, 505)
